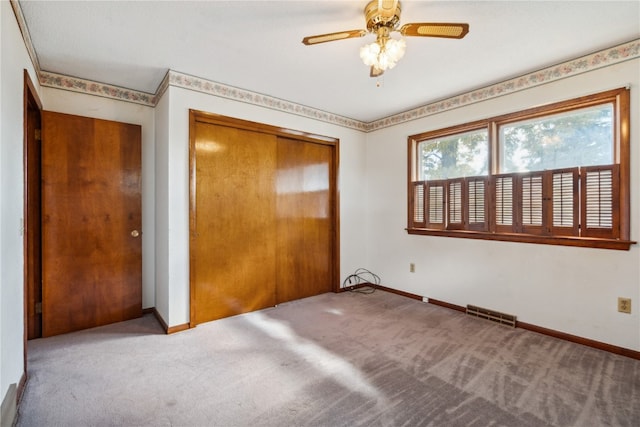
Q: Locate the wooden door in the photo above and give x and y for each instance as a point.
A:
(262, 218)
(91, 222)
(232, 221)
(305, 219)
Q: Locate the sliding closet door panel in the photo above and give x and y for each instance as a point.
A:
(304, 219)
(91, 222)
(233, 249)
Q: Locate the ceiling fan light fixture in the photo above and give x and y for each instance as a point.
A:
(383, 54)
(395, 49)
(383, 18)
(369, 53)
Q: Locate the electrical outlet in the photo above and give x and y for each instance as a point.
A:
(412, 268)
(624, 305)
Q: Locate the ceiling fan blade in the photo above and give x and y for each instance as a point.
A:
(322, 38)
(375, 72)
(430, 29)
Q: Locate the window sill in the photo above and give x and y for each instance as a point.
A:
(585, 242)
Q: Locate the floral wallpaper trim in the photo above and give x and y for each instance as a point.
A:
(75, 84)
(198, 84)
(162, 88)
(601, 59)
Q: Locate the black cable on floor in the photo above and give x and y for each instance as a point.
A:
(361, 276)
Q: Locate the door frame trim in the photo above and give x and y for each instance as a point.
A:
(196, 116)
(31, 100)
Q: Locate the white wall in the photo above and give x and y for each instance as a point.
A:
(176, 234)
(13, 60)
(162, 127)
(569, 289)
(80, 104)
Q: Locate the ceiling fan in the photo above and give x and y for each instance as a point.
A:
(383, 18)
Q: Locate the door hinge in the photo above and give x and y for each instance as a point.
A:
(38, 308)
(38, 135)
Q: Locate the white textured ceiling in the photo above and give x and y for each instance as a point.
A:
(256, 45)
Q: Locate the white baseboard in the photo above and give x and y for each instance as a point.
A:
(9, 407)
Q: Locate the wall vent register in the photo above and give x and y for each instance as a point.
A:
(494, 316)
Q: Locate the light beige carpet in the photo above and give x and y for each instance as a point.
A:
(332, 360)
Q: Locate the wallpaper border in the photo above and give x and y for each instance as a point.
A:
(186, 81)
(89, 87)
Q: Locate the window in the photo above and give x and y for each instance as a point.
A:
(582, 137)
(557, 174)
(453, 156)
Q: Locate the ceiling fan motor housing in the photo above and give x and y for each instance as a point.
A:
(377, 17)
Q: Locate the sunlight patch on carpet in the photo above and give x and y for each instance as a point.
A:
(324, 361)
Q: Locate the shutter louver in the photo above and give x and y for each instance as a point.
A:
(600, 201)
(532, 200)
(504, 200)
(598, 186)
(435, 204)
(477, 204)
(563, 199)
(418, 204)
(455, 204)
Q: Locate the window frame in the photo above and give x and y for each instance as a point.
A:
(547, 234)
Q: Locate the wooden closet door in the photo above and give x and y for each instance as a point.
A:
(91, 222)
(305, 219)
(233, 229)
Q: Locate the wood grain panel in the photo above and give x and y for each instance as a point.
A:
(263, 215)
(304, 219)
(91, 203)
(233, 229)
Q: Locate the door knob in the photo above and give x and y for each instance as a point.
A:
(135, 233)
